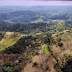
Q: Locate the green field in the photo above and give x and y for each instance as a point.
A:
(9, 40)
(45, 50)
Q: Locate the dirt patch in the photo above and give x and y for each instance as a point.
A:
(43, 63)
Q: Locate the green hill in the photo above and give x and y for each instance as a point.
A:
(9, 39)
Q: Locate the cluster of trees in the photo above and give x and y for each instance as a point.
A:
(27, 47)
(31, 27)
(48, 38)
(8, 67)
(68, 66)
(21, 45)
(2, 35)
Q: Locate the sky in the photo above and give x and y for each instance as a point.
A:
(34, 3)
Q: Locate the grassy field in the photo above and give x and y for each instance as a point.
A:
(45, 50)
(9, 40)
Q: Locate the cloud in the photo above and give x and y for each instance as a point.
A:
(34, 3)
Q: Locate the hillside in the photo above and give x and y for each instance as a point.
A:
(62, 50)
(57, 60)
(40, 53)
(37, 47)
(10, 38)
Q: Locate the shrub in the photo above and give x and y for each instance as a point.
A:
(47, 39)
(35, 64)
(53, 41)
(60, 44)
(8, 67)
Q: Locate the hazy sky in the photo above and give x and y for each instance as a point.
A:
(34, 3)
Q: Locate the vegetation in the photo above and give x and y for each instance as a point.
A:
(21, 45)
(46, 50)
(60, 44)
(8, 67)
(47, 39)
(35, 14)
(35, 64)
(2, 35)
(9, 40)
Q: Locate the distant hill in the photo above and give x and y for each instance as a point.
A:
(35, 14)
